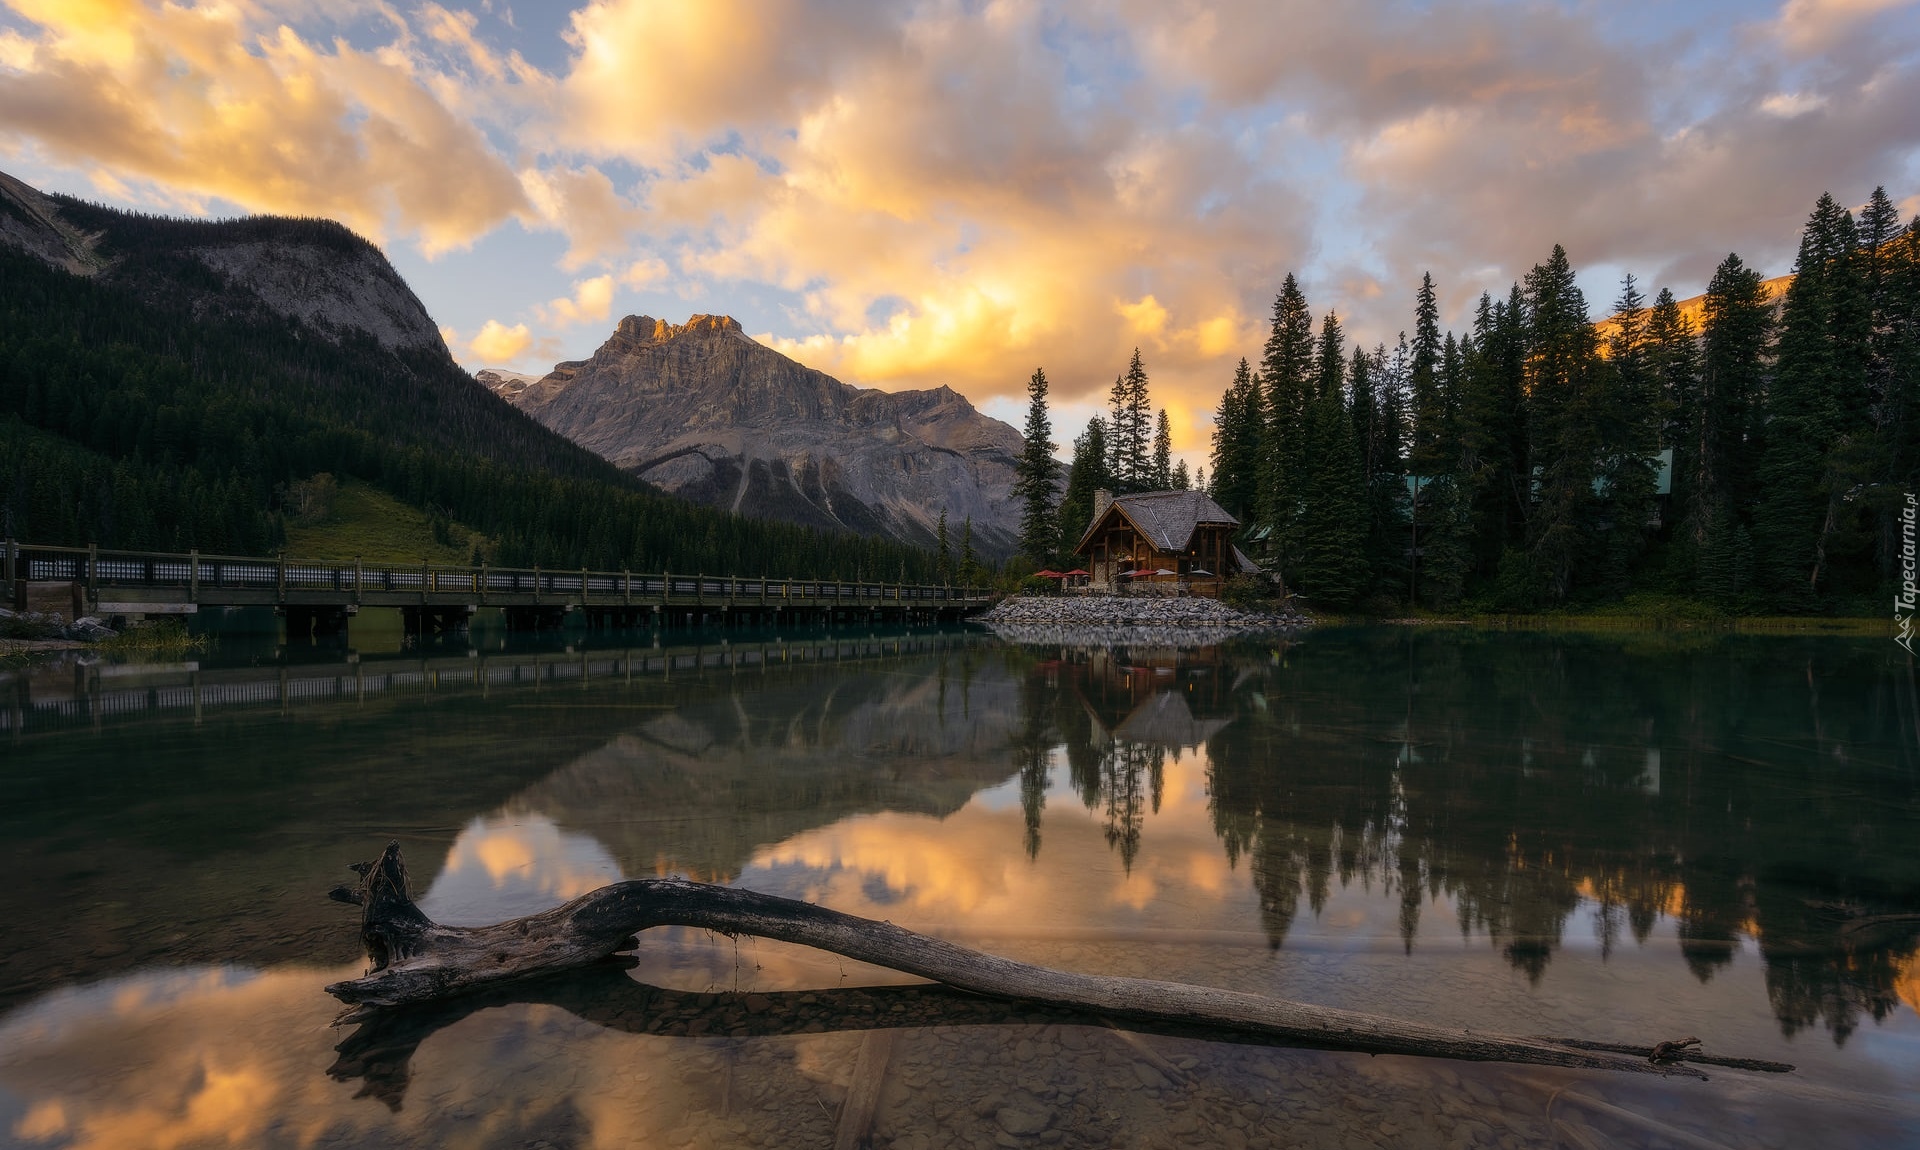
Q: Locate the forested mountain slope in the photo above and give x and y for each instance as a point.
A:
(172, 391)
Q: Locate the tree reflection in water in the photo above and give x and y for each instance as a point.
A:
(1760, 790)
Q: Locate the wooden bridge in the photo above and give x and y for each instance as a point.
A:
(318, 598)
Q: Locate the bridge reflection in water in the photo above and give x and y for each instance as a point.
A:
(79, 692)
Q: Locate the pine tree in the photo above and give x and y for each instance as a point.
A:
(1118, 466)
(1286, 373)
(1630, 419)
(1897, 389)
(1087, 474)
(1162, 453)
(1329, 359)
(970, 571)
(1236, 446)
(1431, 446)
(1037, 476)
(1386, 437)
(1331, 565)
(1180, 480)
(1129, 444)
(1564, 422)
(1716, 456)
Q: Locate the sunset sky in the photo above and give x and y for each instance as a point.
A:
(910, 194)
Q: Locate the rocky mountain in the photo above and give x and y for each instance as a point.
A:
(314, 271)
(168, 384)
(705, 412)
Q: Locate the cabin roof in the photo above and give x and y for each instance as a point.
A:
(1167, 519)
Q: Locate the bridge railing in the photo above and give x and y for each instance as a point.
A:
(123, 570)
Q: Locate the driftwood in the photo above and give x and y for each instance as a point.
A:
(417, 961)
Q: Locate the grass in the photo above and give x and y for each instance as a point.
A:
(166, 637)
(366, 522)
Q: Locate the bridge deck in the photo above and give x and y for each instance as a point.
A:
(161, 579)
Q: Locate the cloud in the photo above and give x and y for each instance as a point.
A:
(215, 101)
(582, 203)
(592, 302)
(651, 77)
(953, 213)
(646, 272)
(497, 343)
(954, 193)
(1813, 25)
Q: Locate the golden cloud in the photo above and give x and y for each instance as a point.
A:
(216, 101)
(498, 343)
(592, 302)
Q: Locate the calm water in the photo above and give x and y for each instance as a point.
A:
(1627, 839)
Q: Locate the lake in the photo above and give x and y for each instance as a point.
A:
(1622, 838)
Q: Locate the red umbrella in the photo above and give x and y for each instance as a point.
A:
(1047, 574)
(1076, 571)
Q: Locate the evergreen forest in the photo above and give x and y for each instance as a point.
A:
(158, 406)
(1753, 454)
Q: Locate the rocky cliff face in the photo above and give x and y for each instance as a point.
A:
(706, 413)
(315, 271)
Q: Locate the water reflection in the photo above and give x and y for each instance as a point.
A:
(1534, 833)
(1531, 783)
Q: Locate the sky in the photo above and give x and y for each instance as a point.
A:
(957, 192)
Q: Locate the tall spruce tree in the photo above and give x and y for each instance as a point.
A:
(1129, 429)
(1716, 457)
(1430, 449)
(1087, 474)
(1817, 415)
(1037, 477)
(1630, 420)
(1329, 359)
(1162, 453)
(1388, 505)
(1890, 321)
(1447, 555)
(1120, 449)
(1897, 409)
(1331, 564)
(1286, 374)
(1236, 446)
(1564, 424)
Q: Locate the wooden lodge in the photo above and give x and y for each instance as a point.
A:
(1174, 542)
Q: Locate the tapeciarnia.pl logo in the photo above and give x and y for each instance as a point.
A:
(1903, 603)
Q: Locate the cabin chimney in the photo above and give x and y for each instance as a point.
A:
(1102, 499)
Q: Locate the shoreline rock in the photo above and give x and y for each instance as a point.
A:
(1123, 620)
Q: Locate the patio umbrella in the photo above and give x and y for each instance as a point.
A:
(1047, 574)
(1200, 571)
(1076, 571)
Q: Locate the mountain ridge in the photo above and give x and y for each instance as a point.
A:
(169, 384)
(704, 411)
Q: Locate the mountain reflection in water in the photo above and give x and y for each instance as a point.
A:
(1612, 838)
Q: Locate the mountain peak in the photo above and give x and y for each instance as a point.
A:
(705, 412)
(644, 329)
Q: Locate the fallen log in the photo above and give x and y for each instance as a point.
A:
(415, 960)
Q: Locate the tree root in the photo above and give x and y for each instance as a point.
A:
(416, 960)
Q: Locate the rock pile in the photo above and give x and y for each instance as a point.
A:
(38, 625)
(1125, 619)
